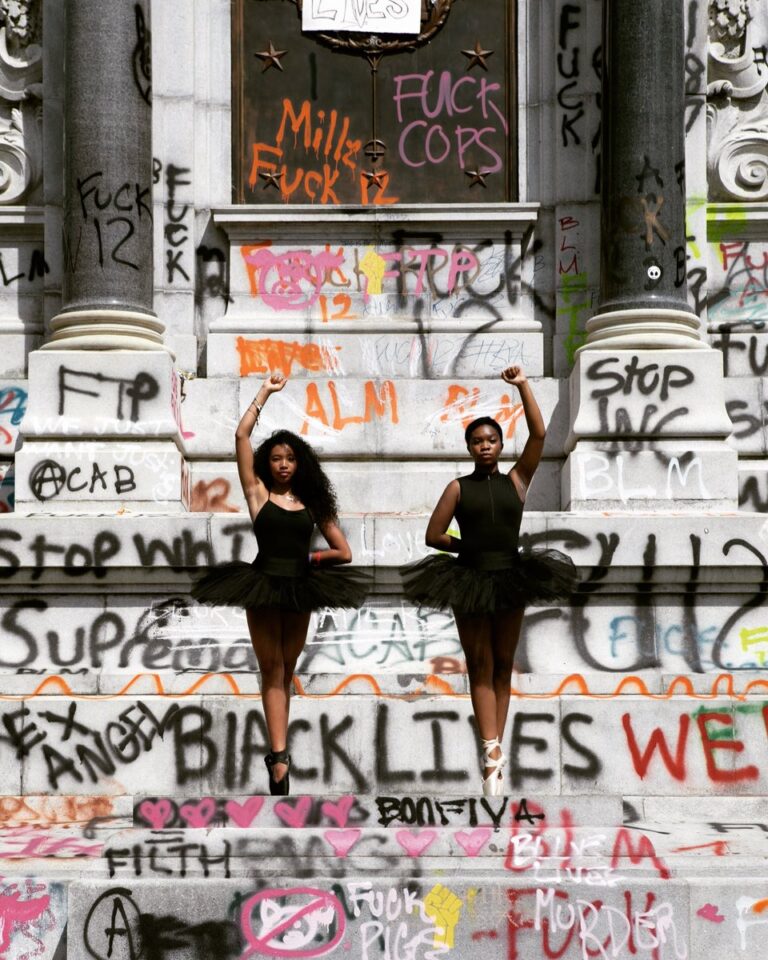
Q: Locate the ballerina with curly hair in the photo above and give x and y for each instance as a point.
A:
(288, 495)
(491, 581)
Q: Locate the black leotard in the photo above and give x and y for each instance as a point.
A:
(283, 537)
(489, 513)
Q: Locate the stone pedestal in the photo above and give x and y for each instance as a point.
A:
(102, 433)
(649, 432)
(94, 477)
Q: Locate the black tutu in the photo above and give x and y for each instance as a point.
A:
(241, 584)
(528, 577)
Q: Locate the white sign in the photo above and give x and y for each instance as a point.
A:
(362, 16)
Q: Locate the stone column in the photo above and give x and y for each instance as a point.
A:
(643, 291)
(105, 378)
(107, 278)
(648, 416)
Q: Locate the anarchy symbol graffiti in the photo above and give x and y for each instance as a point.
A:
(47, 479)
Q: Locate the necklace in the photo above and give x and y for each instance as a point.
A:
(289, 497)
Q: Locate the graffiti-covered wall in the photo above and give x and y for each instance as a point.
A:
(389, 202)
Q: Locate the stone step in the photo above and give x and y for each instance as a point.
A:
(591, 875)
(371, 417)
(195, 745)
(718, 547)
(720, 811)
(608, 631)
(407, 684)
(729, 819)
(288, 859)
(386, 811)
(342, 416)
(725, 816)
(426, 916)
(370, 348)
(412, 487)
(517, 846)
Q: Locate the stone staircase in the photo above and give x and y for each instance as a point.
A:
(304, 876)
(134, 823)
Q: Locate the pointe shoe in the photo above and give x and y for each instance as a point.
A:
(493, 784)
(278, 788)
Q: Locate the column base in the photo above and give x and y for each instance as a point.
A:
(644, 329)
(106, 330)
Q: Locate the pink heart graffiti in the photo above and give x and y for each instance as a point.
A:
(415, 844)
(243, 814)
(473, 841)
(338, 811)
(342, 841)
(294, 816)
(200, 814)
(157, 814)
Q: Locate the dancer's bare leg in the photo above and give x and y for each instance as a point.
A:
(475, 636)
(504, 639)
(266, 629)
(295, 626)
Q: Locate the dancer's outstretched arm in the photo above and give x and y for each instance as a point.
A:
(254, 490)
(531, 455)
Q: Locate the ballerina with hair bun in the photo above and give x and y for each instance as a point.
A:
(288, 495)
(490, 582)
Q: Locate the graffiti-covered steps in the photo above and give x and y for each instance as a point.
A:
(684, 598)
(195, 744)
(552, 840)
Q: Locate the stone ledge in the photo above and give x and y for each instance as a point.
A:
(246, 221)
(22, 222)
(740, 220)
(739, 686)
(412, 487)
(619, 542)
